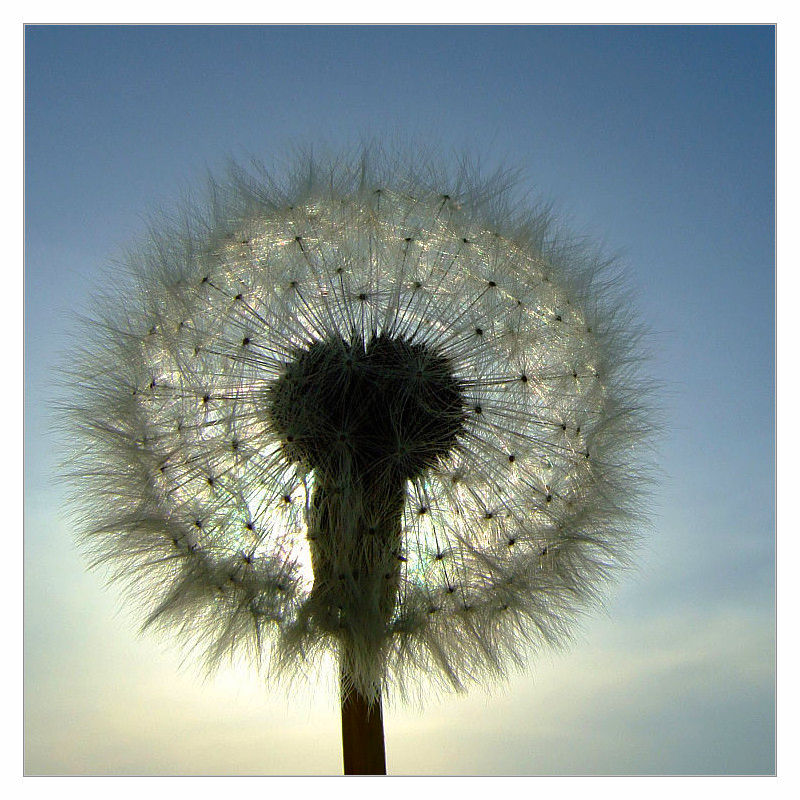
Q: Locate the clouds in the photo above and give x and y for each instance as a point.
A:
(675, 695)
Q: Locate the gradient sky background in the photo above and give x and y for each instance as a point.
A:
(658, 142)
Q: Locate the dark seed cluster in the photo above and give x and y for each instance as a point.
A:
(382, 408)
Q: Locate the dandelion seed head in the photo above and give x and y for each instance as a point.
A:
(354, 414)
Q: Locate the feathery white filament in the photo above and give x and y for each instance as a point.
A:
(190, 489)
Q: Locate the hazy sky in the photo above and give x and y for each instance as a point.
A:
(658, 142)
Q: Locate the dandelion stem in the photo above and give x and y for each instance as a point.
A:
(363, 747)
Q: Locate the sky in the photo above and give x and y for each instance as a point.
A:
(657, 142)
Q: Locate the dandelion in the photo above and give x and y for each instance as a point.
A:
(368, 413)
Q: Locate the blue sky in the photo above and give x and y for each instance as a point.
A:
(659, 143)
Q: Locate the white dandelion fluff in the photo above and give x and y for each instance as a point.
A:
(365, 412)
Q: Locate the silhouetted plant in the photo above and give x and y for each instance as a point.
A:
(372, 411)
